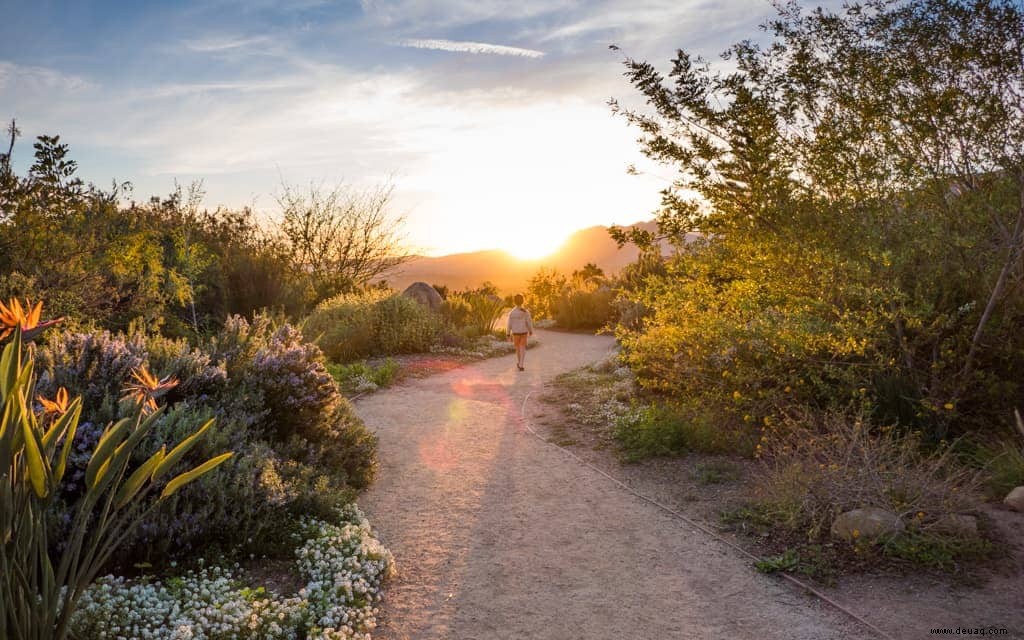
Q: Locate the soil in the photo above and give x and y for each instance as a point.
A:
(907, 602)
(498, 534)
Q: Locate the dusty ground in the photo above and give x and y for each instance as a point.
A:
(499, 535)
(906, 605)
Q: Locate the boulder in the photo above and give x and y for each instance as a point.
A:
(962, 526)
(870, 522)
(1015, 499)
(424, 294)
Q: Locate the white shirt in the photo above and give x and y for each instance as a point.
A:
(519, 321)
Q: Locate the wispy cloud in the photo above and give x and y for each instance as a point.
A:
(223, 43)
(21, 77)
(471, 47)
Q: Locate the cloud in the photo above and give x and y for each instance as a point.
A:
(223, 43)
(471, 47)
(29, 78)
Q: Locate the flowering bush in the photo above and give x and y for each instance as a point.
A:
(297, 389)
(343, 564)
(93, 365)
(300, 449)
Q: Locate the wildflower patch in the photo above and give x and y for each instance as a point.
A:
(343, 564)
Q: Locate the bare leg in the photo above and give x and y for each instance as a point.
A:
(520, 354)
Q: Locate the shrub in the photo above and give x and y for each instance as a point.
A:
(95, 366)
(476, 311)
(543, 292)
(585, 308)
(818, 468)
(299, 446)
(456, 310)
(39, 592)
(662, 428)
(404, 326)
(360, 377)
(343, 564)
(372, 323)
(298, 391)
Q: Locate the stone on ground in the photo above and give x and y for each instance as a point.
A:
(1015, 499)
(870, 522)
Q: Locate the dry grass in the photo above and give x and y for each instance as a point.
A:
(819, 467)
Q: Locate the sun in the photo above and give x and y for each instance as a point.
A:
(531, 243)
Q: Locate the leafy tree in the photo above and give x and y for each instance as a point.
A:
(858, 182)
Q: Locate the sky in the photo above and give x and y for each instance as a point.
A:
(489, 118)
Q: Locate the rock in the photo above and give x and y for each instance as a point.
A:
(424, 294)
(1015, 499)
(870, 522)
(962, 526)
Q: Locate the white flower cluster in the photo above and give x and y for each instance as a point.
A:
(343, 564)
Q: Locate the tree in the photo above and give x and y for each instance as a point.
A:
(859, 182)
(341, 238)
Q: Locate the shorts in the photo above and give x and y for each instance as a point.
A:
(519, 339)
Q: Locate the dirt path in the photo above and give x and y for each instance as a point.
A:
(499, 535)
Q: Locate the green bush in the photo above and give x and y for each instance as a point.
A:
(662, 428)
(370, 324)
(837, 265)
(1003, 466)
(359, 377)
(589, 308)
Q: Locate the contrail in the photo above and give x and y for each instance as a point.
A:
(471, 47)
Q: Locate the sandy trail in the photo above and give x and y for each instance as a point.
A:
(499, 535)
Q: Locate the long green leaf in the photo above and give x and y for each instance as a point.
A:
(177, 452)
(135, 481)
(8, 429)
(10, 362)
(187, 477)
(108, 442)
(75, 412)
(38, 472)
(116, 463)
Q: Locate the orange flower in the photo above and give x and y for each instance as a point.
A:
(13, 316)
(146, 388)
(57, 406)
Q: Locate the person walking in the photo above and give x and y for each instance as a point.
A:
(520, 328)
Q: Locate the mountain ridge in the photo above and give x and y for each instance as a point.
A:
(508, 273)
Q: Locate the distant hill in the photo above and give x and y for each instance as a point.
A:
(462, 270)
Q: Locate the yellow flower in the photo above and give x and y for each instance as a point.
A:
(13, 316)
(736, 395)
(57, 406)
(856, 534)
(948, 406)
(146, 388)
(787, 389)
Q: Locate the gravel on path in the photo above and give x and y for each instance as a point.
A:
(499, 535)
